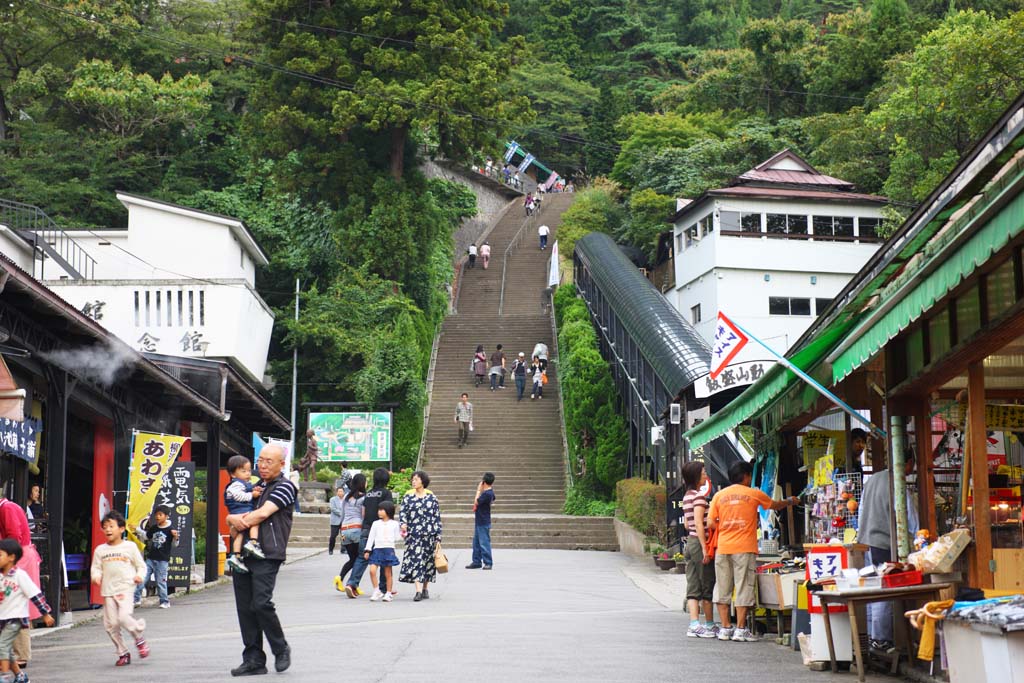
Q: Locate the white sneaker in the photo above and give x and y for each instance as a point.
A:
(388, 597)
(725, 633)
(743, 635)
(377, 595)
(700, 631)
(165, 605)
(713, 630)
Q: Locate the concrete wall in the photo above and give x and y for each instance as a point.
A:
(492, 198)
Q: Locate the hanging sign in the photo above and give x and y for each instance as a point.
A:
(152, 457)
(178, 493)
(19, 438)
(527, 160)
(511, 151)
(729, 341)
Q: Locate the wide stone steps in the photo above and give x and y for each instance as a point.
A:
(507, 531)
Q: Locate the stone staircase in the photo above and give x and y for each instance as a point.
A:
(520, 442)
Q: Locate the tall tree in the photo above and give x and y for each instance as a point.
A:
(385, 69)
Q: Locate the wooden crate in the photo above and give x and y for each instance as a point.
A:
(777, 591)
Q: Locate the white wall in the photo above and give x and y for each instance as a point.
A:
(234, 320)
(728, 273)
(15, 248)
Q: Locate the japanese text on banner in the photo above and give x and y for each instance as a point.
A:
(152, 457)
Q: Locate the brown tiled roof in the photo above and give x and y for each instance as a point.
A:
(792, 178)
(795, 193)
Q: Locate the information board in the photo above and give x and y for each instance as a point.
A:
(352, 437)
(178, 493)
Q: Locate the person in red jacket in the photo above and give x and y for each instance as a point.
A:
(14, 525)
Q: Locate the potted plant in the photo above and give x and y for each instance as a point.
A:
(665, 561)
(680, 561)
(656, 551)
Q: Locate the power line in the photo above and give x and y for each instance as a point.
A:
(341, 31)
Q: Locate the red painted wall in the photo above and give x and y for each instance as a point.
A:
(102, 489)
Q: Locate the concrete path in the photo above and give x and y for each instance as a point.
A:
(560, 615)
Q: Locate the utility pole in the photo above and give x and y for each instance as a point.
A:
(295, 374)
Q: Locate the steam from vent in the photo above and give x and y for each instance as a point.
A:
(101, 363)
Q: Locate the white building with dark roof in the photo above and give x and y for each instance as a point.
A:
(770, 250)
(177, 281)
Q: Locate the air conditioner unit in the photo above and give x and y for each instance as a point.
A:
(657, 436)
(675, 413)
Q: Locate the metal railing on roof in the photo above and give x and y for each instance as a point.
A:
(47, 240)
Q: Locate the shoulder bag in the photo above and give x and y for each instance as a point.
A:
(440, 559)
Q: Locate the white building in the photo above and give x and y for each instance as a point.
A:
(177, 281)
(770, 251)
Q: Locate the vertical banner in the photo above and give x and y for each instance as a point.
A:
(178, 493)
(554, 276)
(511, 151)
(527, 160)
(152, 457)
(102, 490)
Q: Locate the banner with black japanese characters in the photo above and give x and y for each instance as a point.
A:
(178, 493)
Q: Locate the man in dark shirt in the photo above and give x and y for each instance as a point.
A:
(374, 497)
(482, 531)
(498, 369)
(254, 591)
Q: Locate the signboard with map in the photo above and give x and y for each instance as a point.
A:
(352, 437)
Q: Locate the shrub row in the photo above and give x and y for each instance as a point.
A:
(596, 432)
(642, 505)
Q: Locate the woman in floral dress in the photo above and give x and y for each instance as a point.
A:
(420, 518)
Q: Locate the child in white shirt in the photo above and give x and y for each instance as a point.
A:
(117, 567)
(380, 548)
(16, 589)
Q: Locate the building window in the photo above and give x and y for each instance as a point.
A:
(780, 305)
(820, 305)
(706, 225)
(695, 314)
(734, 221)
(832, 226)
(868, 227)
(679, 242)
(786, 224)
(137, 308)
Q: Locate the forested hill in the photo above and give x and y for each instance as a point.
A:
(670, 97)
(308, 120)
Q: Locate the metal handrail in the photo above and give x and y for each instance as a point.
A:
(47, 239)
(430, 395)
(515, 244)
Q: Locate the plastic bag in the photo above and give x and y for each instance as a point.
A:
(938, 558)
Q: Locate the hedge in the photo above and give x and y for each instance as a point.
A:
(642, 505)
(596, 432)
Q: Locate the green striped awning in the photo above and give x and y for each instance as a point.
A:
(916, 295)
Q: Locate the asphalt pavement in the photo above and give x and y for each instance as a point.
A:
(560, 615)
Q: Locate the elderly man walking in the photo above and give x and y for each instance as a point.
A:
(733, 512)
(254, 591)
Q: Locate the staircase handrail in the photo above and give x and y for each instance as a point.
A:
(430, 393)
(514, 243)
(47, 238)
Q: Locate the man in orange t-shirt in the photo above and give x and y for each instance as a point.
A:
(733, 513)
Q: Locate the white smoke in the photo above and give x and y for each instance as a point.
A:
(101, 363)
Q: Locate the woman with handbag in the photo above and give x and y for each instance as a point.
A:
(351, 525)
(480, 365)
(699, 554)
(420, 518)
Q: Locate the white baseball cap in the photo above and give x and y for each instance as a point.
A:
(522, 354)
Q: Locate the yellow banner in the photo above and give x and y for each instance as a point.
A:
(152, 457)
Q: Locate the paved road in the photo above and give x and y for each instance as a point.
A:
(560, 615)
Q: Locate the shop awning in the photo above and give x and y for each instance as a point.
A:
(942, 271)
(765, 390)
